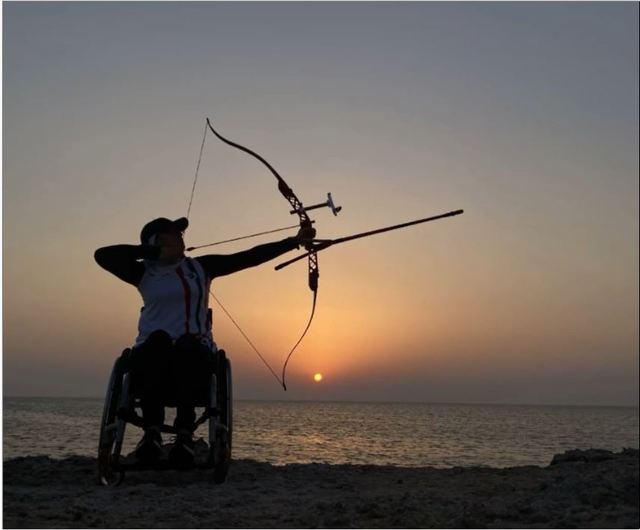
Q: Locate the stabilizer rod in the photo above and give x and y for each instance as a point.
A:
(326, 243)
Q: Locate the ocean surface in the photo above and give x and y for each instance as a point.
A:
(401, 434)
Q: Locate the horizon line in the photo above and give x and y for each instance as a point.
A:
(400, 402)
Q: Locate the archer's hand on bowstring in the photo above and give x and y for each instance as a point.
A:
(305, 235)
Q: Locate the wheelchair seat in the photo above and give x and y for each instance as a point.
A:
(169, 400)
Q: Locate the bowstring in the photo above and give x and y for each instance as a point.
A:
(247, 339)
(195, 178)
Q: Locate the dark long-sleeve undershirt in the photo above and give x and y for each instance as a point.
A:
(124, 260)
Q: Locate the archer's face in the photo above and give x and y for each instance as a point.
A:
(173, 242)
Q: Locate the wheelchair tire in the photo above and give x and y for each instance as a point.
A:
(226, 399)
(108, 475)
(221, 448)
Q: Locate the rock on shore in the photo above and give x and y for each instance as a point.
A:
(583, 489)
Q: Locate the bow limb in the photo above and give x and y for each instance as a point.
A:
(283, 377)
(283, 187)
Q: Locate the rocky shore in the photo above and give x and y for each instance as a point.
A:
(579, 489)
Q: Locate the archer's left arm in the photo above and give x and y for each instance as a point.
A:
(222, 264)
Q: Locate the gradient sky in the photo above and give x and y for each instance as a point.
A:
(523, 114)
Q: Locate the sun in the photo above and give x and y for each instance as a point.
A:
(317, 377)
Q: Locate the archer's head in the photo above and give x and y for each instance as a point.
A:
(167, 234)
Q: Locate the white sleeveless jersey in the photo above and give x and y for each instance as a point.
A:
(176, 300)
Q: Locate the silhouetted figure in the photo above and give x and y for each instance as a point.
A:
(175, 352)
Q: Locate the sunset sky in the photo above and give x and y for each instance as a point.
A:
(523, 114)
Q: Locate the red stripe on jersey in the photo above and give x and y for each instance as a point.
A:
(187, 296)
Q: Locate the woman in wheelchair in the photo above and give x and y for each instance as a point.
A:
(175, 351)
(168, 373)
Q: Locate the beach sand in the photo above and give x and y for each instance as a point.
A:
(581, 489)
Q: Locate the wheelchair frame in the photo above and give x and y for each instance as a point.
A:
(120, 409)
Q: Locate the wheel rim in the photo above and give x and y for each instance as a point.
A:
(107, 463)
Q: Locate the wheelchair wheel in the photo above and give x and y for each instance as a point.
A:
(110, 425)
(220, 431)
(226, 400)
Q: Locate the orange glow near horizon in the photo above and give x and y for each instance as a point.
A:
(527, 297)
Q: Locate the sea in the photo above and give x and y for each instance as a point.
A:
(399, 434)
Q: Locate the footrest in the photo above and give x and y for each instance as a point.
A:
(202, 459)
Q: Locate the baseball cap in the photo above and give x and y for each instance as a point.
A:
(162, 225)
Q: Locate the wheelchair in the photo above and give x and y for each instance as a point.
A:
(120, 409)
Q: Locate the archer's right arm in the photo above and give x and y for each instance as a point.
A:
(123, 260)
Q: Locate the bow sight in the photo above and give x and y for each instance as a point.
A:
(328, 204)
